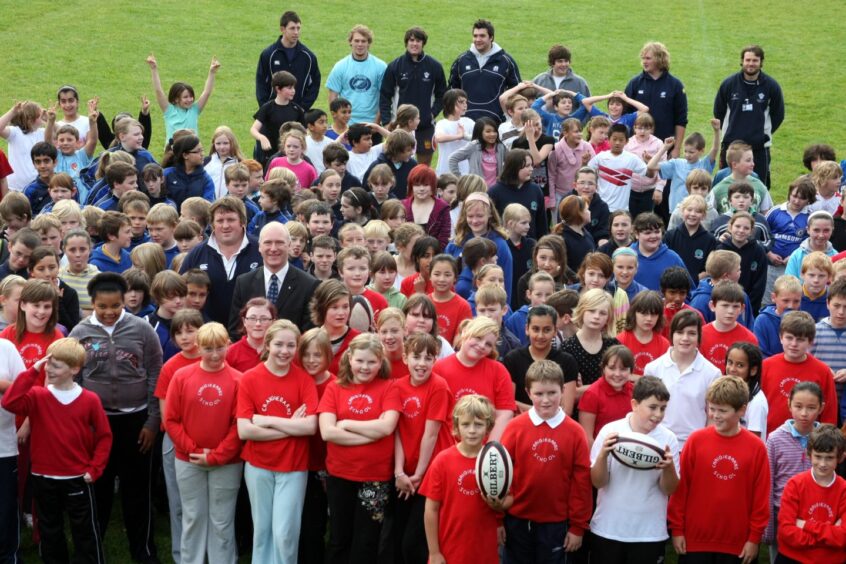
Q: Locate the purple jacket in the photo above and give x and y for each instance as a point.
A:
(439, 223)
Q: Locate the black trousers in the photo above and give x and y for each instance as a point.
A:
(10, 527)
(315, 517)
(134, 470)
(641, 202)
(710, 558)
(608, 551)
(409, 534)
(353, 533)
(527, 542)
(55, 498)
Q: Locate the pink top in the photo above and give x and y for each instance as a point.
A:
(306, 175)
(562, 164)
(489, 166)
(650, 147)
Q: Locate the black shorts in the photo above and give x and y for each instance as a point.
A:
(424, 135)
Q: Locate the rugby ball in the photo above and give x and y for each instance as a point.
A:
(494, 470)
(637, 451)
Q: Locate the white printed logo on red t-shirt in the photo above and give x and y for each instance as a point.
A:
(821, 512)
(265, 406)
(360, 403)
(545, 449)
(725, 467)
(717, 354)
(210, 395)
(467, 483)
(411, 407)
(787, 384)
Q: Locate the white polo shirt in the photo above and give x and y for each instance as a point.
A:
(631, 507)
(687, 410)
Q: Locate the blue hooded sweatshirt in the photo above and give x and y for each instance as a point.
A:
(766, 330)
(817, 307)
(649, 269)
(182, 185)
(516, 323)
(107, 264)
(700, 297)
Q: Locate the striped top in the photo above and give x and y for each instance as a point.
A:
(787, 458)
(830, 348)
(79, 282)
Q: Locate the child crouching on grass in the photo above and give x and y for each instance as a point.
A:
(71, 440)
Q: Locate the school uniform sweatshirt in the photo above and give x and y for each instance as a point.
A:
(753, 269)
(649, 269)
(722, 500)
(766, 330)
(201, 411)
(67, 440)
(820, 506)
(778, 376)
(551, 471)
(530, 196)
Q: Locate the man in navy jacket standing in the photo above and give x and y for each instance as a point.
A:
(228, 253)
(484, 72)
(289, 54)
(418, 79)
(751, 107)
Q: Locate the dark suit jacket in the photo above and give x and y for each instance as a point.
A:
(292, 303)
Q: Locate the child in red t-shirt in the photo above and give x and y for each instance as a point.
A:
(461, 525)
(422, 253)
(544, 511)
(813, 506)
(727, 302)
(200, 419)
(71, 440)
(422, 432)
(796, 364)
(722, 466)
(609, 398)
(276, 416)
(675, 288)
(183, 332)
(330, 309)
(357, 415)
(391, 327)
(474, 370)
(354, 269)
(643, 330)
(452, 309)
(314, 353)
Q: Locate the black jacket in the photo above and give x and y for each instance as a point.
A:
(304, 67)
(406, 81)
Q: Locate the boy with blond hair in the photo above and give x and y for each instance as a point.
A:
(377, 235)
(721, 265)
(817, 274)
(786, 296)
(827, 177)
(691, 241)
(162, 220)
(70, 444)
(698, 182)
(742, 165)
(517, 221)
(492, 302)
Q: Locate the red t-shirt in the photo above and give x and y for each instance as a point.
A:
(669, 314)
(316, 444)
(33, 346)
(606, 403)
(718, 473)
(361, 402)
(488, 378)
(715, 344)
(431, 401)
(778, 377)
(398, 369)
(466, 525)
(201, 413)
(5, 167)
(264, 393)
(241, 356)
(407, 285)
(644, 354)
(377, 302)
(450, 314)
(819, 540)
(551, 472)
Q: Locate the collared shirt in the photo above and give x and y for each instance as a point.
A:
(553, 421)
(803, 439)
(229, 263)
(110, 328)
(280, 275)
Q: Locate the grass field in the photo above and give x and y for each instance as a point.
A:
(100, 47)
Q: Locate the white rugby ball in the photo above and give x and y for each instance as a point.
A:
(637, 451)
(494, 470)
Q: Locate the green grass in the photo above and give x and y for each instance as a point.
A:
(100, 46)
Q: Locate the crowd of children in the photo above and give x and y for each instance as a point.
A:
(523, 289)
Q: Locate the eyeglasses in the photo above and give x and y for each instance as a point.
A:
(198, 151)
(261, 320)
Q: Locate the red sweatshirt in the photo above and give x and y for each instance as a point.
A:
(644, 354)
(820, 540)
(67, 440)
(715, 344)
(551, 472)
(450, 314)
(723, 498)
(201, 413)
(778, 377)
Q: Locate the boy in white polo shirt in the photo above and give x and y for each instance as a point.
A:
(630, 521)
(687, 375)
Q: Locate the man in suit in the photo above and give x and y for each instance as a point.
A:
(288, 287)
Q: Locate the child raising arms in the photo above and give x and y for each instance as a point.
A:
(180, 109)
